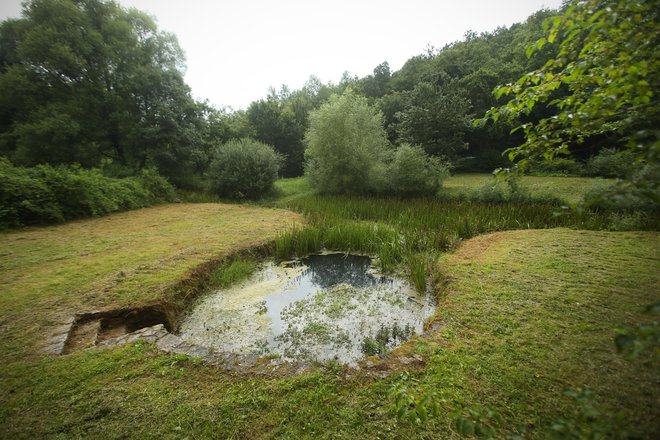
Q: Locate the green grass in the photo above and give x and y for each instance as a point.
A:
(291, 188)
(569, 189)
(525, 315)
(137, 257)
(237, 270)
(534, 312)
(395, 229)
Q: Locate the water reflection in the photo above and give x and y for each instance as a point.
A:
(324, 271)
(321, 272)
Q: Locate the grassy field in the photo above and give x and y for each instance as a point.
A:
(523, 315)
(47, 274)
(569, 189)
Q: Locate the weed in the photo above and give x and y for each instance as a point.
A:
(418, 268)
(413, 406)
(385, 338)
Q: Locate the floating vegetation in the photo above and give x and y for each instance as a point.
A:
(320, 308)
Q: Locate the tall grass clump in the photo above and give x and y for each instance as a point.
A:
(233, 272)
(417, 266)
(395, 226)
(297, 242)
(403, 233)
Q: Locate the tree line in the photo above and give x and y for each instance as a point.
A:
(88, 82)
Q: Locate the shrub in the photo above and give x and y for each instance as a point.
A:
(621, 196)
(347, 148)
(243, 169)
(611, 163)
(413, 173)
(510, 191)
(556, 167)
(46, 194)
(156, 185)
(489, 193)
(24, 199)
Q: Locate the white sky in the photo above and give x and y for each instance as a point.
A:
(236, 49)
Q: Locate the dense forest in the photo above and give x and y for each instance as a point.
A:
(88, 82)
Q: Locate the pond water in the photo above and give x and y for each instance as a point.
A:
(322, 307)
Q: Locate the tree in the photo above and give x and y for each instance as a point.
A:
(601, 82)
(435, 118)
(274, 122)
(347, 148)
(85, 80)
(375, 86)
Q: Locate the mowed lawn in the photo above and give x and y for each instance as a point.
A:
(524, 315)
(569, 189)
(47, 274)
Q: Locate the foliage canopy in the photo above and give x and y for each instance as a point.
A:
(600, 82)
(82, 81)
(346, 147)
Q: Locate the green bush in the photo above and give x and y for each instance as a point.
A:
(413, 173)
(156, 185)
(611, 162)
(621, 196)
(243, 169)
(46, 194)
(556, 167)
(347, 148)
(510, 191)
(24, 199)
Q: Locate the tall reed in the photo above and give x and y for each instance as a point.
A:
(398, 231)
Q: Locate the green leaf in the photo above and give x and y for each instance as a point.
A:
(539, 44)
(529, 51)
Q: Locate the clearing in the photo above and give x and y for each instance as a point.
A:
(523, 315)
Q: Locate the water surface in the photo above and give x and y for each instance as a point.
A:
(332, 306)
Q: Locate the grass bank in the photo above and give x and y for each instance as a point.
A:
(525, 314)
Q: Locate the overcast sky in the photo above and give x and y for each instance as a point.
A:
(237, 49)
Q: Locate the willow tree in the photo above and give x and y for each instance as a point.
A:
(347, 148)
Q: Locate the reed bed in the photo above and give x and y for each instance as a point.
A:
(399, 231)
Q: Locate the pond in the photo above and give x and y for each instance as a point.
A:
(319, 308)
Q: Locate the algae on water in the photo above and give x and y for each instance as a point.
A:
(323, 307)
